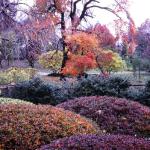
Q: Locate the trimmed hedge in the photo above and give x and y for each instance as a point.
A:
(39, 92)
(12, 101)
(94, 86)
(27, 127)
(113, 115)
(94, 142)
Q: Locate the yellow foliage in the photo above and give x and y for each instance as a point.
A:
(14, 75)
(51, 60)
(108, 61)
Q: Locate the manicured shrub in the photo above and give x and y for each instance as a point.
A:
(37, 91)
(12, 101)
(27, 127)
(92, 86)
(113, 115)
(94, 142)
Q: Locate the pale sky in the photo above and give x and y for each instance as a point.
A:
(139, 10)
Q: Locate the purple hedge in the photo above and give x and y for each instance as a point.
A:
(94, 142)
(113, 115)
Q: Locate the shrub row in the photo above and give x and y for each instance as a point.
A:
(28, 127)
(92, 86)
(113, 115)
(37, 91)
(95, 142)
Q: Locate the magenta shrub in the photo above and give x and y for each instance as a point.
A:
(94, 142)
(113, 115)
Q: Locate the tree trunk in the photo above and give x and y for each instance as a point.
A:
(65, 57)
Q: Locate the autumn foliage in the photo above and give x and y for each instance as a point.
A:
(81, 55)
(113, 115)
(108, 61)
(78, 64)
(104, 36)
(27, 127)
(82, 43)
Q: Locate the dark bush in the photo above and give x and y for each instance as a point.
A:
(117, 86)
(140, 95)
(146, 95)
(38, 92)
(92, 86)
(113, 115)
(94, 142)
(27, 127)
(148, 86)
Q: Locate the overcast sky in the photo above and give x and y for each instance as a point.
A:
(139, 10)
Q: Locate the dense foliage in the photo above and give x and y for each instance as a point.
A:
(27, 127)
(108, 61)
(94, 142)
(51, 60)
(113, 115)
(12, 101)
(84, 54)
(143, 38)
(15, 75)
(105, 37)
(92, 86)
(38, 92)
(80, 55)
(78, 64)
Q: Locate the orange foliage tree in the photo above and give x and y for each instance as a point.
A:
(81, 55)
(105, 37)
(67, 11)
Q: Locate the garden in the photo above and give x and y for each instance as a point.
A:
(67, 84)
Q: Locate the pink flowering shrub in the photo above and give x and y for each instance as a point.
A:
(113, 115)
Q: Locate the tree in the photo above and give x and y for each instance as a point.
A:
(7, 14)
(33, 50)
(105, 38)
(67, 11)
(142, 53)
(81, 55)
(143, 40)
(84, 54)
